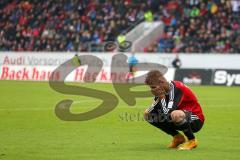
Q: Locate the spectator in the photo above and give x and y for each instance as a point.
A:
(176, 63)
(148, 16)
(132, 62)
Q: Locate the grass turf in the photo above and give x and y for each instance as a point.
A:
(30, 130)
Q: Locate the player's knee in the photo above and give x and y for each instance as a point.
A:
(178, 116)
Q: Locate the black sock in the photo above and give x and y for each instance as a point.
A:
(189, 134)
(187, 130)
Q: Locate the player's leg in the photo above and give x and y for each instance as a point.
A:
(156, 119)
(181, 120)
(184, 122)
(130, 73)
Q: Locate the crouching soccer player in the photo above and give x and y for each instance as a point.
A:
(175, 108)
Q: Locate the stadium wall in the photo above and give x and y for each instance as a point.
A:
(200, 69)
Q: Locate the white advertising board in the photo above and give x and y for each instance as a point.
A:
(42, 73)
(200, 61)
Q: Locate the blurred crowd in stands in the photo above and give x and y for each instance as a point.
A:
(77, 25)
(199, 26)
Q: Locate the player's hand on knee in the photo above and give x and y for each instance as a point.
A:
(177, 116)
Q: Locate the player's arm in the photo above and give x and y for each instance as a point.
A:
(175, 96)
(153, 105)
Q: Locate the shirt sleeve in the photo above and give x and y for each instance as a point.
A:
(175, 95)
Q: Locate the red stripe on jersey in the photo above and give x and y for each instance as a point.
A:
(188, 100)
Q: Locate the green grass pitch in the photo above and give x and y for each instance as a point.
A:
(30, 130)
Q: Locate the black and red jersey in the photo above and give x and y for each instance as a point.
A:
(180, 97)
